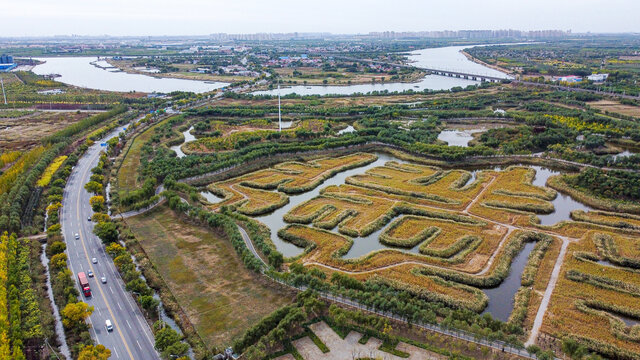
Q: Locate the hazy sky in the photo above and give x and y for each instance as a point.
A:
(199, 17)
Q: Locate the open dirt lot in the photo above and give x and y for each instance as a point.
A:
(616, 107)
(22, 133)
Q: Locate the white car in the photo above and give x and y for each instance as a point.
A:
(90, 273)
(108, 325)
(94, 260)
(77, 236)
(103, 279)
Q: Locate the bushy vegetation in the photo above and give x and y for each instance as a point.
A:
(618, 185)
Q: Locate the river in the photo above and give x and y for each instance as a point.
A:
(451, 58)
(79, 71)
(442, 58)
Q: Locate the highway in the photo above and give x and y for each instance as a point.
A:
(131, 337)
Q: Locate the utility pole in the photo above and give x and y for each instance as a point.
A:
(3, 93)
(279, 112)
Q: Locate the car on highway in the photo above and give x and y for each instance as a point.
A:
(103, 279)
(77, 236)
(108, 325)
(90, 273)
(89, 218)
(94, 260)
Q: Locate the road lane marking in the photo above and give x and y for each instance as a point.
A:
(111, 289)
(129, 325)
(119, 305)
(116, 351)
(115, 322)
(138, 344)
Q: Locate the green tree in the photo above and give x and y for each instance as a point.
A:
(97, 203)
(149, 304)
(91, 352)
(166, 337)
(106, 231)
(75, 314)
(93, 187)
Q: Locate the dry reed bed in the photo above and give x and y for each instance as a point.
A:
(420, 181)
(252, 194)
(589, 296)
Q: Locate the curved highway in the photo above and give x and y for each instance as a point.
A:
(131, 337)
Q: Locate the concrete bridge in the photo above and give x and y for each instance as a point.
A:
(463, 75)
(449, 73)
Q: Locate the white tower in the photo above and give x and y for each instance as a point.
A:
(279, 113)
(3, 93)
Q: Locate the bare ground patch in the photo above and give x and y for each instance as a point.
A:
(219, 295)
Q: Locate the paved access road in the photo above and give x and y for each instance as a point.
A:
(131, 337)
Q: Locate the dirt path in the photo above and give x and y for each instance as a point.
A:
(537, 323)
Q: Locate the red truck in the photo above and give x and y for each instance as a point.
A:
(84, 284)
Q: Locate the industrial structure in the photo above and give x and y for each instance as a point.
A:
(6, 63)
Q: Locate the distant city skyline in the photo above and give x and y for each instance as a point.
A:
(202, 17)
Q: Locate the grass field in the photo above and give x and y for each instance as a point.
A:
(220, 296)
(128, 172)
(615, 107)
(25, 132)
(466, 234)
(591, 308)
(252, 195)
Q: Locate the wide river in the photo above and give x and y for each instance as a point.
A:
(79, 71)
(442, 58)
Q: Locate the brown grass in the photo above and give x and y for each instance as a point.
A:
(616, 107)
(219, 295)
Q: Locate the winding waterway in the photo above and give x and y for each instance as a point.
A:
(501, 298)
(442, 58)
(187, 137)
(79, 71)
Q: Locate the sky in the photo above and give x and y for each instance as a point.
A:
(202, 17)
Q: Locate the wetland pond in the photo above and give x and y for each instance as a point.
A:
(79, 71)
(458, 137)
(501, 298)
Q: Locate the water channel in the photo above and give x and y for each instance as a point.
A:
(442, 58)
(79, 71)
(501, 298)
(187, 137)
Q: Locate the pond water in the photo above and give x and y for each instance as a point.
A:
(629, 321)
(211, 197)
(187, 137)
(458, 137)
(274, 219)
(501, 298)
(79, 71)
(563, 204)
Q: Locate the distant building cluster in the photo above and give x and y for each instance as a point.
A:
(473, 34)
(597, 78)
(6, 62)
(465, 34)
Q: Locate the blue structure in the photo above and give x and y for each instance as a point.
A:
(6, 62)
